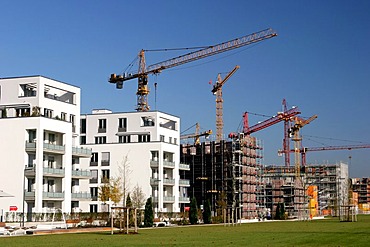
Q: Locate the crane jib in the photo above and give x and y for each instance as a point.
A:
(212, 50)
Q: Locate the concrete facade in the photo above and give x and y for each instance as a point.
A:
(146, 145)
(39, 150)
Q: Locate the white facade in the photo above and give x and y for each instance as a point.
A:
(146, 142)
(39, 157)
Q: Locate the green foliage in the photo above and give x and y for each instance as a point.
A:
(148, 214)
(193, 213)
(207, 219)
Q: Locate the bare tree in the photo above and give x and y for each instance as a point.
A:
(138, 197)
(124, 175)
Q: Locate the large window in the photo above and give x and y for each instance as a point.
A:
(144, 138)
(124, 139)
(100, 139)
(105, 175)
(94, 193)
(94, 176)
(93, 208)
(102, 128)
(105, 158)
(82, 140)
(94, 159)
(122, 124)
(83, 126)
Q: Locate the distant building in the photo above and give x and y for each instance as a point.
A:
(40, 157)
(147, 144)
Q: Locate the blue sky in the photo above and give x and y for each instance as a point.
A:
(320, 62)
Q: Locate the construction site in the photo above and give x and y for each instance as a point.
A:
(229, 172)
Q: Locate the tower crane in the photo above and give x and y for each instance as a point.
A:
(294, 132)
(304, 150)
(144, 71)
(217, 90)
(196, 135)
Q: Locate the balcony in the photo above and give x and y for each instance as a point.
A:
(154, 181)
(49, 172)
(184, 167)
(29, 195)
(81, 152)
(81, 174)
(56, 196)
(81, 196)
(168, 199)
(154, 164)
(184, 182)
(47, 147)
(184, 199)
(168, 181)
(168, 164)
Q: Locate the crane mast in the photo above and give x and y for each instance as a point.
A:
(217, 89)
(143, 72)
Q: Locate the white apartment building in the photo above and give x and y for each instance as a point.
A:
(39, 153)
(145, 142)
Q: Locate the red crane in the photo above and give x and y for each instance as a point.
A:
(281, 116)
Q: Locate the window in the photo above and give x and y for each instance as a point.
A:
(83, 126)
(170, 139)
(105, 175)
(63, 116)
(72, 119)
(94, 159)
(51, 161)
(100, 139)
(124, 139)
(94, 176)
(122, 124)
(144, 138)
(102, 128)
(105, 157)
(93, 208)
(48, 113)
(147, 121)
(161, 137)
(82, 140)
(51, 138)
(174, 140)
(94, 193)
(51, 186)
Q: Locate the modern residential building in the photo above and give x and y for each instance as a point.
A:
(39, 153)
(140, 147)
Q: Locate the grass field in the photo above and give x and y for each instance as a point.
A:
(327, 232)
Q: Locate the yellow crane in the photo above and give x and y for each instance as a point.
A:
(217, 90)
(196, 135)
(144, 71)
(294, 132)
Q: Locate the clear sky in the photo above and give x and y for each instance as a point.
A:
(320, 62)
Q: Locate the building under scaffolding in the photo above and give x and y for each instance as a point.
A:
(282, 186)
(227, 173)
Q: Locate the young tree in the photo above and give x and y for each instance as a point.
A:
(124, 174)
(138, 197)
(104, 191)
(193, 213)
(207, 219)
(116, 192)
(148, 215)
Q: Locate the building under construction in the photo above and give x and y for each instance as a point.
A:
(227, 173)
(283, 186)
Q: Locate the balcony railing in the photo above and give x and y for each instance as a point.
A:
(81, 173)
(184, 199)
(54, 171)
(81, 195)
(184, 182)
(154, 163)
(154, 181)
(169, 164)
(53, 195)
(29, 195)
(168, 199)
(53, 148)
(184, 167)
(83, 152)
(168, 181)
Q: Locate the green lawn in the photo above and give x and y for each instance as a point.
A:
(328, 232)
